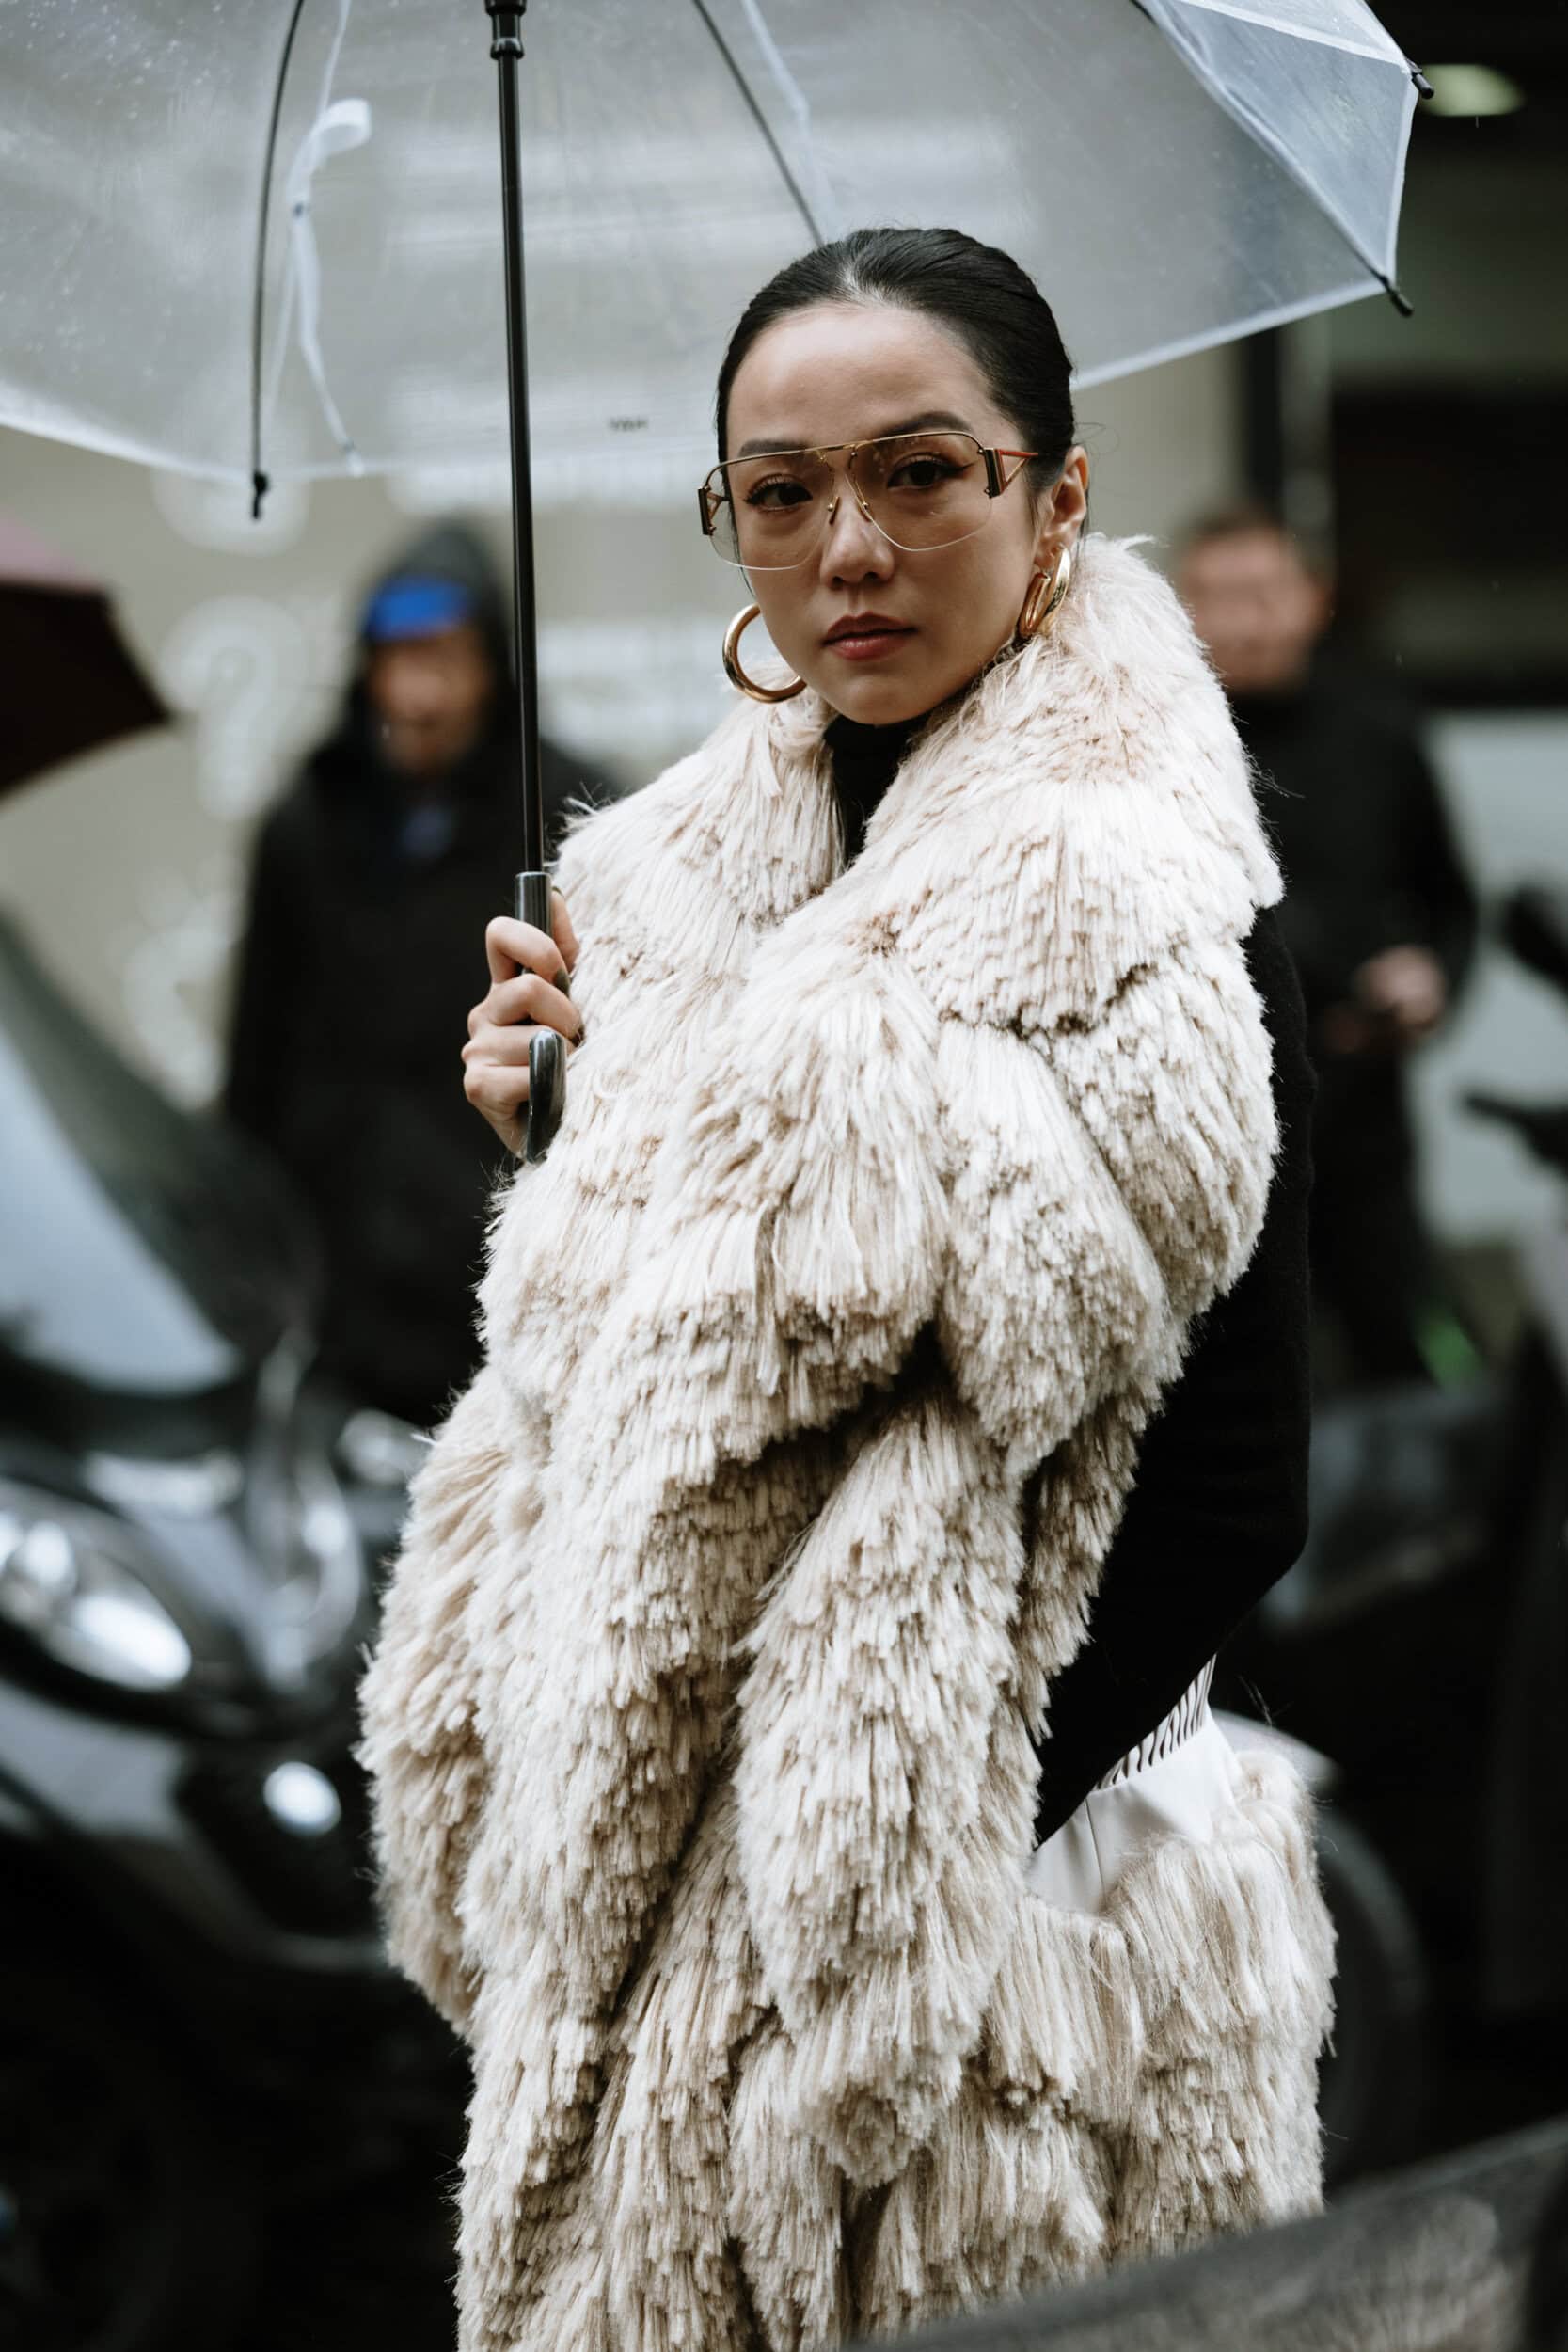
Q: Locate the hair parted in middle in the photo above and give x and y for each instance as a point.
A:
(976, 292)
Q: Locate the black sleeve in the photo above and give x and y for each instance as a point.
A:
(1218, 1512)
(1443, 912)
(265, 995)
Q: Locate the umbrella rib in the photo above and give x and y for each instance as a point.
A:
(1258, 130)
(754, 107)
(259, 485)
(1253, 123)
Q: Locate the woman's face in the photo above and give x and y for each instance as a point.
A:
(845, 372)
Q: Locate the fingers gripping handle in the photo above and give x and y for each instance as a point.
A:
(547, 1053)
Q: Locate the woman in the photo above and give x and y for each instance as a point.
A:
(798, 1792)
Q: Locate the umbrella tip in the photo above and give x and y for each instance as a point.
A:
(1423, 88)
(259, 485)
(1401, 303)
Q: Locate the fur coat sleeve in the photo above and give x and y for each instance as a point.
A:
(420, 1699)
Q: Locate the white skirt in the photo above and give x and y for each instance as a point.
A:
(1174, 1783)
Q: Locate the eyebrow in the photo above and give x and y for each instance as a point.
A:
(933, 420)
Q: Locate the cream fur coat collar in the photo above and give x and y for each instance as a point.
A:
(818, 1358)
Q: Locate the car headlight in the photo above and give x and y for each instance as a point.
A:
(69, 1580)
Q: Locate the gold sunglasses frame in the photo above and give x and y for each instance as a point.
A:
(710, 501)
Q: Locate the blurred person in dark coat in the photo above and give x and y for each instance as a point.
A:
(373, 879)
(1378, 912)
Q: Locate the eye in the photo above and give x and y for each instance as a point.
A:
(781, 492)
(925, 470)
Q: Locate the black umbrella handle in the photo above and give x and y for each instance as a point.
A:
(547, 1053)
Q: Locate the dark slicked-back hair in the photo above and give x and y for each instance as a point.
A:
(975, 291)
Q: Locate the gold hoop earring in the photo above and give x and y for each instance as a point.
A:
(738, 676)
(1038, 613)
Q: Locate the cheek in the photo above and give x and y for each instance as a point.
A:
(788, 615)
(991, 579)
(974, 608)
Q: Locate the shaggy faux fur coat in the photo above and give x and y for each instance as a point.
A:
(818, 1355)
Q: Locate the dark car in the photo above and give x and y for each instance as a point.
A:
(200, 2037)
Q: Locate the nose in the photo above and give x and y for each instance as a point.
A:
(418, 692)
(853, 546)
(415, 699)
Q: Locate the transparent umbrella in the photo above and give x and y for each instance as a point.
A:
(261, 238)
(1173, 174)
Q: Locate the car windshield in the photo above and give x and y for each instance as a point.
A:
(142, 1250)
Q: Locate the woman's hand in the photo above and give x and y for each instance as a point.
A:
(528, 981)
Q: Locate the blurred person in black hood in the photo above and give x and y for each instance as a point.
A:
(1378, 913)
(373, 879)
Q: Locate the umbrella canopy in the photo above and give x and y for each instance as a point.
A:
(1173, 172)
(68, 682)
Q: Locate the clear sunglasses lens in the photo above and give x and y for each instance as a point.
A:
(772, 517)
(924, 489)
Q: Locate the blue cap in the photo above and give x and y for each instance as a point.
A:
(416, 604)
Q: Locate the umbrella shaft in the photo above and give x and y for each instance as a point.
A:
(507, 49)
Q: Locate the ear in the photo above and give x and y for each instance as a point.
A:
(1063, 508)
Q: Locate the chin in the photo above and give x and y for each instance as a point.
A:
(878, 702)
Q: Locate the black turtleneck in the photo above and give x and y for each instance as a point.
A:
(866, 760)
(1219, 1509)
